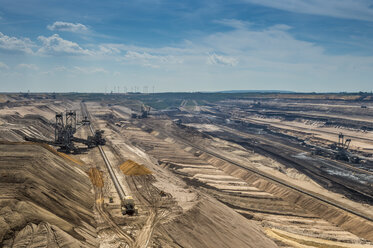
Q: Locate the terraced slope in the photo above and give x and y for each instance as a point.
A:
(45, 199)
(273, 210)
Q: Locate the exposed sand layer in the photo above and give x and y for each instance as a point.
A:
(96, 177)
(361, 140)
(212, 224)
(297, 240)
(347, 221)
(43, 235)
(177, 214)
(243, 196)
(185, 197)
(39, 186)
(131, 168)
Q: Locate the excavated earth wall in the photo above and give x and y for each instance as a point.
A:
(45, 200)
(345, 220)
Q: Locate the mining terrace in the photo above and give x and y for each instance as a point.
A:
(187, 170)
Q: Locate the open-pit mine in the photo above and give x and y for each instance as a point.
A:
(186, 170)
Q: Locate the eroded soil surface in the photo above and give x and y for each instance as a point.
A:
(222, 174)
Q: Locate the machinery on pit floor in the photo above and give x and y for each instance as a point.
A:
(128, 206)
(341, 150)
(145, 110)
(338, 150)
(64, 131)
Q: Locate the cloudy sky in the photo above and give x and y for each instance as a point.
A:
(98, 46)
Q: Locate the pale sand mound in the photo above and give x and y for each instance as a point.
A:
(96, 177)
(211, 224)
(132, 168)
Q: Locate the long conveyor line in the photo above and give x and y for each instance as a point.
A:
(109, 167)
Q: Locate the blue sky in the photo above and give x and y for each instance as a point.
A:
(94, 46)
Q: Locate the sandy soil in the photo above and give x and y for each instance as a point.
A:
(189, 198)
(183, 203)
(41, 194)
(360, 140)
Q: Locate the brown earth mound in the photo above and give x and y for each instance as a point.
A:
(211, 224)
(132, 168)
(96, 177)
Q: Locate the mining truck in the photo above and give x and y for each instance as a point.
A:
(128, 206)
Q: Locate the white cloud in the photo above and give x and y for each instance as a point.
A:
(15, 44)
(89, 70)
(280, 27)
(271, 44)
(269, 57)
(28, 66)
(349, 9)
(272, 50)
(151, 60)
(214, 59)
(68, 27)
(143, 56)
(108, 50)
(3, 66)
(55, 45)
(234, 23)
(59, 68)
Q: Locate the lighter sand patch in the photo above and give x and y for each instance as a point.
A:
(131, 168)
